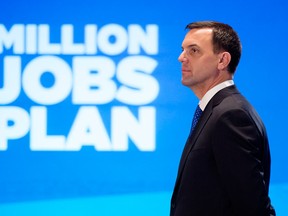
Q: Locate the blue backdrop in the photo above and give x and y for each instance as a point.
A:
(93, 116)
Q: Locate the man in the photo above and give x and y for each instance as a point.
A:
(225, 165)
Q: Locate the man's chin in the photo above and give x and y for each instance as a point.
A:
(185, 83)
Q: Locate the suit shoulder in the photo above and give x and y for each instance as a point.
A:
(233, 102)
(237, 108)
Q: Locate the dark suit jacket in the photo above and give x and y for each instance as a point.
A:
(225, 166)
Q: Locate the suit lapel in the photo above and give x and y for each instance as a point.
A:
(199, 127)
(193, 138)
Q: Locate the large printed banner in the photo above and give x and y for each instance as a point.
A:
(93, 116)
(85, 75)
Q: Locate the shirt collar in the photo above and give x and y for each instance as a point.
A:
(209, 94)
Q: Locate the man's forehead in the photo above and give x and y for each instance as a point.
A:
(198, 36)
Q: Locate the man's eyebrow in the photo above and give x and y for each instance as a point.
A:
(191, 45)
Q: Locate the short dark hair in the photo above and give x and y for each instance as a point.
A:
(224, 38)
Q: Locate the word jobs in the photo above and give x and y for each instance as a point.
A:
(90, 80)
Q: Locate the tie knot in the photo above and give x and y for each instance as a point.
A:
(198, 112)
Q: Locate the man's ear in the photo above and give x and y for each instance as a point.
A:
(224, 60)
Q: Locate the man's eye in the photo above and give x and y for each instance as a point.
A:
(193, 50)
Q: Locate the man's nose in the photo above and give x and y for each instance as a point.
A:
(182, 57)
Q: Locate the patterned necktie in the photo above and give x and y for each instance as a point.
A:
(197, 115)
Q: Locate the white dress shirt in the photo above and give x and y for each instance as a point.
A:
(209, 94)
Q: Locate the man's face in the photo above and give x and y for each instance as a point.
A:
(199, 62)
